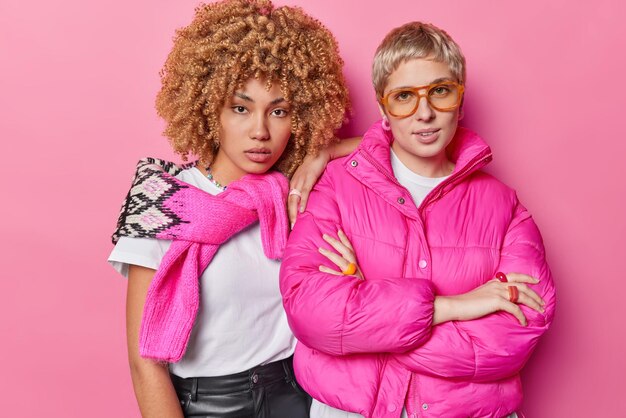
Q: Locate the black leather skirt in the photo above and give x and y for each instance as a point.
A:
(268, 391)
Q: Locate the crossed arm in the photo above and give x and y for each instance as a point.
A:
(470, 336)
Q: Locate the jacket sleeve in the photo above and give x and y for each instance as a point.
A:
(496, 346)
(341, 315)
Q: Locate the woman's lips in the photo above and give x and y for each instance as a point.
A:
(426, 136)
(259, 155)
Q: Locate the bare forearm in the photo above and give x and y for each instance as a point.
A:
(153, 387)
(443, 311)
(154, 391)
(488, 298)
(343, 147)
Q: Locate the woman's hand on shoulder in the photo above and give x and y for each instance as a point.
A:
(303, 180)
(311, 170)
(488, 298)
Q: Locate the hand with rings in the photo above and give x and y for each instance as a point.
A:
(513, 290)
(345, 260)
(302, 182)
(504, 293)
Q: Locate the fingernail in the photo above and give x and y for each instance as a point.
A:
(292, 225)
(321, 250)
(301, 209)
(325, 236)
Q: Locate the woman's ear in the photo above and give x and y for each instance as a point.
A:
(382, 111)
(386, 125)
(461, 111)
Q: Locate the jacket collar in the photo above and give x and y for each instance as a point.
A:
(370, 163)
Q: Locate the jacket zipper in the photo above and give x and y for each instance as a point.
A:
(438, 192)
(380, 168)
(439, 189)
(432, 196)
(394, 181)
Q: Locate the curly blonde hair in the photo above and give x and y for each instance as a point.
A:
(231, 41)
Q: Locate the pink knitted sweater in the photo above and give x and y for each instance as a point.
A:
(159, 205)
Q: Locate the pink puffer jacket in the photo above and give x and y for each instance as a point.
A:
(368, 346)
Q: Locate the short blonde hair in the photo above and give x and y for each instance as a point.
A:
(231, 41)
(415, 40)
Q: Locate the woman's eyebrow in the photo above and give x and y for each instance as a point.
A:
(244, 97)
(435, 81)
(440, 79)
(247, 98)
(278, 100)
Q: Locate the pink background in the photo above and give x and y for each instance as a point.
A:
(78, 81)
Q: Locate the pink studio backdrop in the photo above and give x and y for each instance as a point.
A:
(77, 85)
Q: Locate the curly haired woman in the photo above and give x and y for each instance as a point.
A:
(249, 90)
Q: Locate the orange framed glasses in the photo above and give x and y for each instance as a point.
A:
(444, 96)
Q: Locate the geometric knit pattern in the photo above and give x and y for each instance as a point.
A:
(143, 213)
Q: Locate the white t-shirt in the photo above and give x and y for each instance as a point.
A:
(418, 186)
(241, 322)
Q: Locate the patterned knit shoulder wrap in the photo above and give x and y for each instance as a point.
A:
(143, 213)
